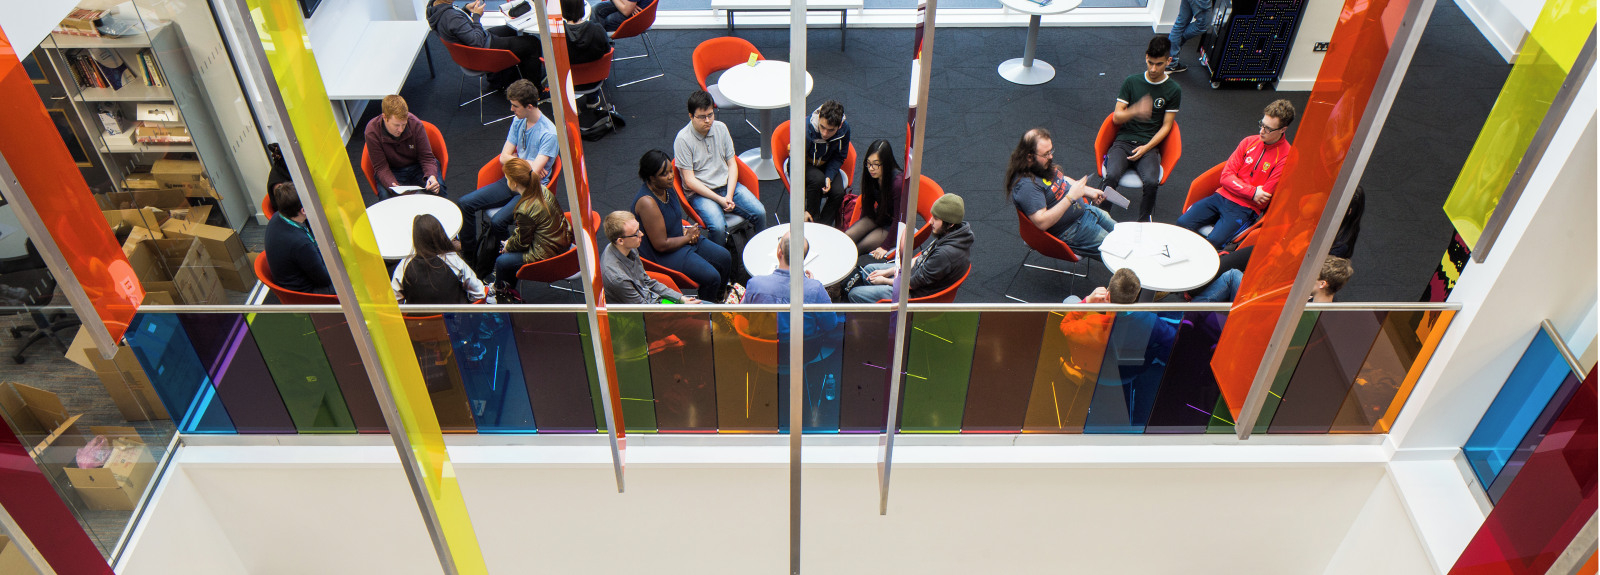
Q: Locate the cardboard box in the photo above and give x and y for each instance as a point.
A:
(174, 172)
(196, 214)
(127, 472)
(161, 197)
(238, 275)
(222, 245)
(162, 135)
(66, 437)
(30, 409)
(148, 218)
(141, 181)
(179, 267)
(11, 558)
(123, 377)
(197, 189)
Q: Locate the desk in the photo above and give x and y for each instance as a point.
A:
(529, 26)
(377, 65)
(831, 258)
(1026, 70)
(1139, 246)
(391, 221)
(764, 87)
(843, 7)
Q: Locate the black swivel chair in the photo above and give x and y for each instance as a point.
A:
(26, 285)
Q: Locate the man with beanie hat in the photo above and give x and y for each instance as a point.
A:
(943, 261)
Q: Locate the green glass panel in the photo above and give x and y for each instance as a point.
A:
(1221, 420)
(1291, 359)
(632, 353)
(294, 355)
(937, 368)
(594, 379)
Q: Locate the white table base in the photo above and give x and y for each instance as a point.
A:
(1028, 70)
(764, 168)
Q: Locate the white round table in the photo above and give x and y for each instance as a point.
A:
(764, 87)
(1166, 257)
(830, 259)
(391, 221)
(1027, 70)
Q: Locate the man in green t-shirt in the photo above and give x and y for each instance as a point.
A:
(1147, 108)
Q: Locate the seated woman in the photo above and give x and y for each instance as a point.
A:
(621, 272)
(883, 202)
(667, 241)
(538, 229)
(459, 25)
(434, 273)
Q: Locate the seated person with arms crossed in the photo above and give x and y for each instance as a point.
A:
(460, 26)
(621, 272)
(434, 273)
(532, 137)
(942, 262)
(710, 172)
(291, 249)
(670, 242)
(883, 202)
(1249, 179)
(401, 155)
(1050, 199)
(538, 230)
(827, 144)
(1147, 108)
(612, 13)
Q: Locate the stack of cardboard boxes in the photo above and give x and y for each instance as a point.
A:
(116, 485)
(177, 256)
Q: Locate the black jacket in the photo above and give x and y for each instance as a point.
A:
(586, 42)
(944, 260)
(293, 258)
(830, 151)
(455, 25)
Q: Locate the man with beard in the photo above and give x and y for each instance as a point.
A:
(1062, 206)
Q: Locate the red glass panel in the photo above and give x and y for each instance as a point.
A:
(1007, 351)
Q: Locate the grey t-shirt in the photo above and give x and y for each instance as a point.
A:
(1031, 194)
(707, 156)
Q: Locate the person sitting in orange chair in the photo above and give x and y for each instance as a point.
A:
(401, 155)
(1248, 179)
(291, 250)
(613, 13)
(1147, 109)
(942, 262)
(459, 25)
(1035, 184)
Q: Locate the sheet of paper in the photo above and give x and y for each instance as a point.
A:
(1116, 198)
(404, 189)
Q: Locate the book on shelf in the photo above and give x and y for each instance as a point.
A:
(161, 133)
(81, 22)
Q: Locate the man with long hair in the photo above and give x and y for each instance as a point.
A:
(1062, 206)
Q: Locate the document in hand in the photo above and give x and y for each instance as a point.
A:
(1116, 198)
(404, 189)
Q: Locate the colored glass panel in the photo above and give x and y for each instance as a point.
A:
(1549, 503)
(1291, 360)
(557, 380)
(1430, 331)
(1546, 54)
(294, 354)
(1005, 355)
(747, 373)
(1350, 70)
(682, 371)
(1135, 360)
(50, 180)
(164, 351)
(228, 351)
(1070, 354)
(1334, 354)
(597, 401)
(1530, 387)
(491, 373)
(823, 353)
(430, 341)
(339, 345)
(1188, 390)
(1219, 418)
(864, 396)
(1384, 373)
(632, 352)
(1530, 441)
(33, 503)
(938, 365)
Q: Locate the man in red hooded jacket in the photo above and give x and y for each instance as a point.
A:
(1248, 179)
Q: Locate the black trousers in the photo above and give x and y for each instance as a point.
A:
(525, 47)
(823, 212)
(1148, 167)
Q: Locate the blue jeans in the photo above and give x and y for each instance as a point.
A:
(744, 203)
(1221, 289)
(871, 293)
(1084, 236)
(496, 195)
(506, 266)
(1225, 218)
(1193, 15)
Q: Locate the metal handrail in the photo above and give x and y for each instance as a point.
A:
(832, 307)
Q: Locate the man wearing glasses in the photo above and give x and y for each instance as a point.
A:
(706, 160)
(1248, 179)
(1051, 200)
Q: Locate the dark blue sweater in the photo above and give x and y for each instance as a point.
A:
(293, 258)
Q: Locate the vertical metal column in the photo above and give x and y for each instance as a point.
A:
(797, 218)
(1366, 136)
(924, 59)
(561, 80)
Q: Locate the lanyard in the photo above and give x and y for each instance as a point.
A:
(301, 228)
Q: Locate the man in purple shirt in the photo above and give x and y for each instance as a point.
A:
(398, 147)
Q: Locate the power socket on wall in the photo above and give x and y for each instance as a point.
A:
(1319, 47)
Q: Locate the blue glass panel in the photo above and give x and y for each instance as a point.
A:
(1131, 370)
(1529, 388)
(486, 354)
(823, 373)
(163, 349)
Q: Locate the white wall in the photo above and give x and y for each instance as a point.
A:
(1503, 22)
(179, 535)
(1316, 25)
(1381, 541)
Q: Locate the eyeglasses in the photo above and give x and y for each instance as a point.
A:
(1263, 126)
(638, 234)
(874, 164)
(704, 117)
(1049, 154)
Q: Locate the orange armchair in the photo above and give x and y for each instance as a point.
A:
(639, 25)
(288, 296)
(435, 141)
(1171, 150)
(477, 63)
(1045, 244)
(946, 295)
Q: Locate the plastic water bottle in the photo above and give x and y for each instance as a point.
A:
(830, 387)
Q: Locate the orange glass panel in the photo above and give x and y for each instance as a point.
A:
(1359, 45)
(1392, 367)
(747, 373)
(1069, 364)
(50, 180)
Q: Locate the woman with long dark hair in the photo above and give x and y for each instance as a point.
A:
(670, 242)
(883, 202)
(434, 273)
(538, 229)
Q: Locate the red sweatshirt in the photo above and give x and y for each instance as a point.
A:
(1253, 164)
(410, 147)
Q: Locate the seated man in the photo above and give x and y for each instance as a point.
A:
(613, 13)
(291, 250)
(532, 137)
(1146, 110)
(586, 42)
(1335, 272)
(774, 287)
(943, 261)
(1050, 199)
(398, 147)
(827, 144)
(459, 25)
(1249, 179)
(621, 271)
(709, 168)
